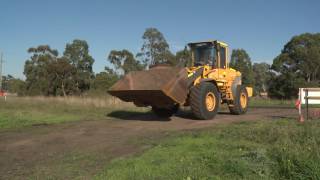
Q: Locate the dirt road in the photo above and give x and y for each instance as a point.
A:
(38, 150)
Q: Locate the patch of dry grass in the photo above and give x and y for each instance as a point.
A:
(98, 102)
(27, 111)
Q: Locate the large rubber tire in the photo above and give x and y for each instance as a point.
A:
(165, 112)
(199, 97)
(241, 101)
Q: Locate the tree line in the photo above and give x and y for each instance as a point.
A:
(50, 74)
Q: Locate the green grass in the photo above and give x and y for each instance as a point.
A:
(279, 149)
(259, 102)
(282, 103)
(19, 112)
(73, 165)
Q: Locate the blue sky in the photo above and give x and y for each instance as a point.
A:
(260, 27)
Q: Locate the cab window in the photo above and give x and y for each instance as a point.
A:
(205, 55)
(223, 58)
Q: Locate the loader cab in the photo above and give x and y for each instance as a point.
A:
(212, 53)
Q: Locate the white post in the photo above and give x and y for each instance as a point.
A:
(300, 101)
(301, 119)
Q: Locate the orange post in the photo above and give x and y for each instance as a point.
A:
(298, 106)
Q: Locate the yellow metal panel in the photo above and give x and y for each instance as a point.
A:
(220, 84)
(223, 43)
(227, 57)
(250, 91)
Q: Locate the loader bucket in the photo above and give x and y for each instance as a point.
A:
(161, 86)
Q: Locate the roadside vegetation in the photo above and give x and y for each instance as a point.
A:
(279, 149)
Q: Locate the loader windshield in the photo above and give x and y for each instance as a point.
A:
(204, 54)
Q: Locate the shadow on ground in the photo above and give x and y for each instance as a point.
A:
(150, 116)
(136, 116)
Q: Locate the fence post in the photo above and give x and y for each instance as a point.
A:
(301, 119)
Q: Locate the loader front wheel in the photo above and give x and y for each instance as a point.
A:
(204, 100)
(165, 112)
(240, 105)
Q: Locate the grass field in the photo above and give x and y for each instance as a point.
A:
(19, 112)
(279, 149)
(264, 149)
(259, 102)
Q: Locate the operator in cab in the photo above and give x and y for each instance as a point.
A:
(205, 55)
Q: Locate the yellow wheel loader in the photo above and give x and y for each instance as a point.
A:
(204, 86)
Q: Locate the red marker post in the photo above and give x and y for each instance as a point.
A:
(298, 106)
(3, 93)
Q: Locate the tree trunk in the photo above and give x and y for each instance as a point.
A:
(63, 90)
(315, 73)
(308, 77)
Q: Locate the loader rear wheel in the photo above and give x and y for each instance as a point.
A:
(204, 100)
(240, 105)
(165, 112)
